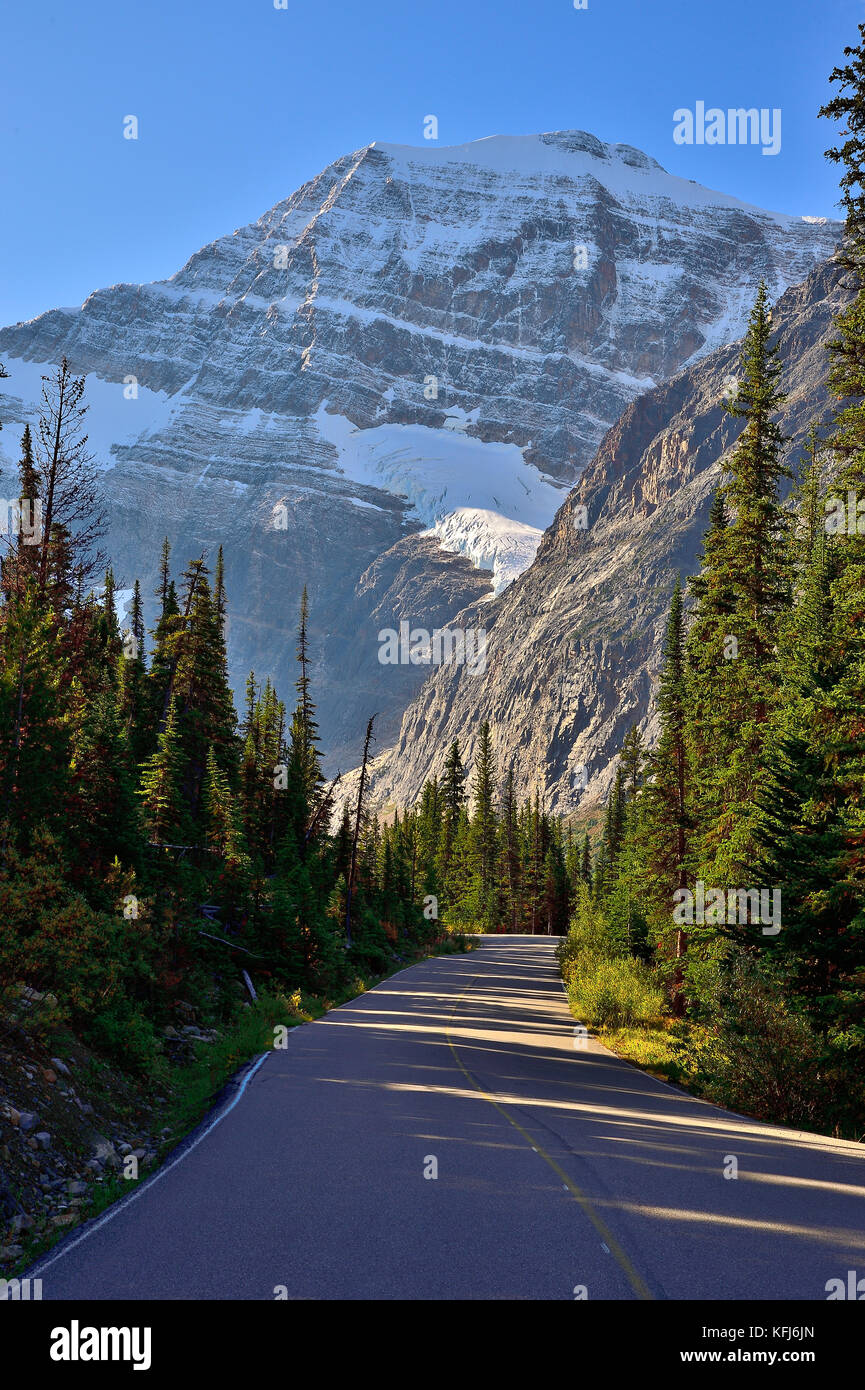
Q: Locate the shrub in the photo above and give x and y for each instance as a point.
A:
(123, 1033)
(589, 939)
(614, 993)
(758, 1055)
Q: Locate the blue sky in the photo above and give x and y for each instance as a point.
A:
(239, 103)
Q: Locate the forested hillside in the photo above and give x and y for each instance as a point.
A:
(153, 844)
(730, 877)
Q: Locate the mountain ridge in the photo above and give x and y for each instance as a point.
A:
(574, 645)
(408, 343)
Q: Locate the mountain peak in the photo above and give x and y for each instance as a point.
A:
(418, 340)
(567, 156)
(539, 152)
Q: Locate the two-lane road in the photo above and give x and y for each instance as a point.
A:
(557, 1167)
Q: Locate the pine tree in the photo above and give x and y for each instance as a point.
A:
(166, 638)
(132, 702)
(453, 797)
(358, 819)
(556, 885)
(586, 862)
(164, 805)
(429, 829)
(34, 732)
(847, 441)
(484, 833)
(21, 566)
(199, 686)
(752, 491)
(752, 546)
(632, 761)
(665, 828)
(534, 831)
(304, 791)
(612, 837)
(100, 801)
(222, 832)
(511, 866)
(219, 592)
(305, 708)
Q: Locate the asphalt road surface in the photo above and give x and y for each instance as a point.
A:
(559, 1168)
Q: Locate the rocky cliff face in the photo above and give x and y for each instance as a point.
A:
(416, 340)
(574, 645)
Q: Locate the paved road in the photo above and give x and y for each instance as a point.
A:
(558, 1167)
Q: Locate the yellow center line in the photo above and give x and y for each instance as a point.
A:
(635, 1279)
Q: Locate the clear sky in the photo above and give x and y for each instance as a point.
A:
(239, 103)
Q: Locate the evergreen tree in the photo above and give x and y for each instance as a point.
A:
(132, 702)
(453, 797)
(222, 833)
(665, 829)
(586, 862)
(840, 714)
(164, 805)
(199, 686)
(21, 566)
(511, 865)
(751, 547)
(484, 833)
(72, 516)
(34, 734)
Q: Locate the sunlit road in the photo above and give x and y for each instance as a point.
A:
(558, 1168)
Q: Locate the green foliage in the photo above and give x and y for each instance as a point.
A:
(760, 1056)
(758, 777)
(607, 987)
(151, 848)
(590, 939)
(614, 993)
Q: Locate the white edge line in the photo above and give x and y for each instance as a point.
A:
(123, 1203)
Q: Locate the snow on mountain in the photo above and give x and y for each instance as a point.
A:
(112, 418)
(480, 500)
(574, 649)
(431, 339)
(490, 540)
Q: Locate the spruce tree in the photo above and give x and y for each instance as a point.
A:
(21, 566)
(847, 440)
(484, 833)
(453, 796)
(73, 520)
(199, 686)
(586, 861)
(510, 864)
(164, 806)
(752, 547)
(664, 831)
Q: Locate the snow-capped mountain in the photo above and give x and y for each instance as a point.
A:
(384, 387)
(573, 650)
